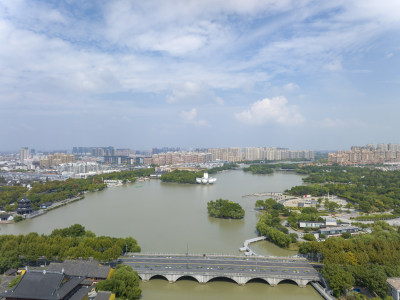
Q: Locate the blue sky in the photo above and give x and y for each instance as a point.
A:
(137, 74)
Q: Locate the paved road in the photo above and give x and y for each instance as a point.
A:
(223, 265)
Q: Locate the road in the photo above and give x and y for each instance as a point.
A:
(221, 264)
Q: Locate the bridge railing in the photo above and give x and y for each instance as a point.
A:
(211, 255)
(228, 274)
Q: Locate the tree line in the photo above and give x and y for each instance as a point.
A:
(369, 189)
(270, 225)
(52, 191)
(365, 260)
(72, 242)
(181, 176)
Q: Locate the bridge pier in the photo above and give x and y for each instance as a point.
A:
(302, 282)
(273, 281)
(145, 277)
(241, 280)
(172, 277)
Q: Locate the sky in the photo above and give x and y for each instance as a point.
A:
(300, 74)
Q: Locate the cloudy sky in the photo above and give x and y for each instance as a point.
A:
(137, 74)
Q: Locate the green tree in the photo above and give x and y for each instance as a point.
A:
(221, 208)
(124, 283)
(309, 237)
(339, 279)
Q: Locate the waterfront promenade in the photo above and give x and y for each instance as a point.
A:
(239, 269)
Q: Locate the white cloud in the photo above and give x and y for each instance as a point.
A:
(188, 90)
(290, 87)
(275, 110)
(334, 66)
(219, 101)
(190, 117)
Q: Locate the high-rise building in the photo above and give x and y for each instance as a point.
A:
(23, 153)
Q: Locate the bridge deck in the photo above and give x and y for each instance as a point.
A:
(240, 269)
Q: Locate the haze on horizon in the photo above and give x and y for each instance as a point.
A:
(137, 74)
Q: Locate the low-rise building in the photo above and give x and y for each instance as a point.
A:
(47, 285)
(394, 284)
(337, 231)
(330, 222)
(89, 269)
(311, 224)
(6, 218)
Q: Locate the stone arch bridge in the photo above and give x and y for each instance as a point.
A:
(204, 268)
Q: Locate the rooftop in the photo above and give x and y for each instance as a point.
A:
(340, 228)
(84, 268)
(103, 295)
(42, 285)
(394, 282)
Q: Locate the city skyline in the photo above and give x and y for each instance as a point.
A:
(291, 74)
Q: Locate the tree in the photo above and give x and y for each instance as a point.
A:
(339, 278)
(260, 204)
(346, 235)
(309, 237)
(225, 209)
(124, 283)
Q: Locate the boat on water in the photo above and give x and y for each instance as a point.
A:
(206, 179)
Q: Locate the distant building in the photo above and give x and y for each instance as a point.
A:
(57, 159)
(119, 160)
(368, 154)
(394, 284)
(23, 153)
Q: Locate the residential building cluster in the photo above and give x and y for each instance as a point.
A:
(232, 154)
(81, 169)
(90, 160)
(94, 151)
(369, 154)
(270, 153)
(57, 159)
(173, 158)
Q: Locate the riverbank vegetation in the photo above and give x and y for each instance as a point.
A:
(72, 242)
(225, 167)
(270, 224)
(184, 176)
(181, 176)
(124, 283)
(260, 169)
(369, 189)
(53, 191)
(221, 208)
(366, 260)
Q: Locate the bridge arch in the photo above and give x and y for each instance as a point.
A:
(158, 276)
(257, 279)
(222, 278)
(287, 280)
(299, 282)
(188, 277)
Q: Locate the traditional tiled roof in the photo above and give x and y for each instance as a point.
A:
(85, 268)
(102, 295)
(43, 285)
